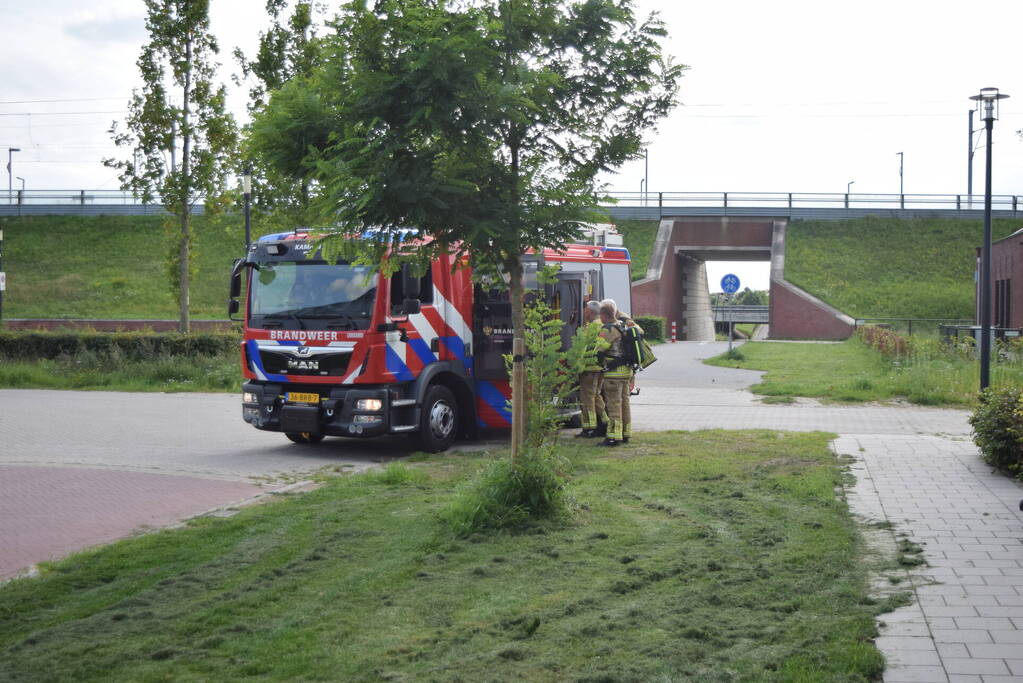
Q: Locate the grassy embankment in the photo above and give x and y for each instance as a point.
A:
(699, 556)
(114, 267)
(888, 268)
(852, 371)
(111, 267)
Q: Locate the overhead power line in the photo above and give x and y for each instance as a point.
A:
(62, 113)
(75, 99)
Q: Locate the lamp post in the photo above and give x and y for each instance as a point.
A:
(10, 173)
(901, 159)
(646, 174)
(247, 193)
(987, 100)
(969, 163)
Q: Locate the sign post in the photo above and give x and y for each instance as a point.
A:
(730, 285)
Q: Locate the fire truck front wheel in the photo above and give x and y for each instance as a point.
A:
(304, 437)
(438, 424)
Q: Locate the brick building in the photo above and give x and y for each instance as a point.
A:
(1006, 281)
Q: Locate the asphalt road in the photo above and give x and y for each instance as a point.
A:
(203, 435)
(191, 434)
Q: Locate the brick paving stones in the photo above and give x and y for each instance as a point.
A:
(48, 512)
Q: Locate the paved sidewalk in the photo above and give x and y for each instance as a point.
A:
(48, 512)
(967, 622)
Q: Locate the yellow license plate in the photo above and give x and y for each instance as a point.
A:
(299, 397)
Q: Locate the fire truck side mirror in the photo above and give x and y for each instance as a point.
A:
(409, 282)
(235, 289)
(236, 278)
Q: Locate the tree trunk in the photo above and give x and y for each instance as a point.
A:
(184, 324)
(518, 378)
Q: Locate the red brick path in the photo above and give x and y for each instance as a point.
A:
(49, 512)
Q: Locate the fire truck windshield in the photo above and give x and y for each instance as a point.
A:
(312, 295)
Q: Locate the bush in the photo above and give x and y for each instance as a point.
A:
(885, 341)
(507, 494)
(16, 345)
(998, 428)
(653, 326)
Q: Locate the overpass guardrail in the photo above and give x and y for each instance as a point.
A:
(92, 201)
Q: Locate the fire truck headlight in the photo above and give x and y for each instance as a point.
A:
(249, 397)
(369, 404)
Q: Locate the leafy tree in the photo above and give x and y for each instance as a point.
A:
(287, 49)
(284, 141)
(178, 108)
(482, 125)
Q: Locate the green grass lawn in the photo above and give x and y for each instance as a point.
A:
(703, 556)
(111, 267)
(852, 371)
(879, 267)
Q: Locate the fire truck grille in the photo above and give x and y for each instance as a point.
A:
(315, 364)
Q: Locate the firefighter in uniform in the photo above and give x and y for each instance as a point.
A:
(591, 398)
(617, 377)
(623, 318)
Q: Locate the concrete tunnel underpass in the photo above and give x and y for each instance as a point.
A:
(697, 315)
(676, 285)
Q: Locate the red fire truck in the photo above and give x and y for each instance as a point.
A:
(332, 349)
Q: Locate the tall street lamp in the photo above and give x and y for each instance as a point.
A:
(10, 174)
(969, 163)
(901, 159)
(987, 100)
(849, 185)
(247, 193)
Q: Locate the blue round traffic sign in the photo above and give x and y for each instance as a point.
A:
(730, 284)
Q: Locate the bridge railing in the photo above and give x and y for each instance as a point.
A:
(741, 314)
(817, 200)
(832, 200)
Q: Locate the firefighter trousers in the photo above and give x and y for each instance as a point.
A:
(591, 399)
(616, 401)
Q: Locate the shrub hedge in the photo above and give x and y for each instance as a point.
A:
(998, 428)
(882, 339)
(653, 326)
(18, 345)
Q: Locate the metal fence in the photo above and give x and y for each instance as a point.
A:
(910, 326)
(816, 200)
(622, 204)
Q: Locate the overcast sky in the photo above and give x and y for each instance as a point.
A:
(782, 96)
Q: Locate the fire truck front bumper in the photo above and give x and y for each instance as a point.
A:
(363, 412)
